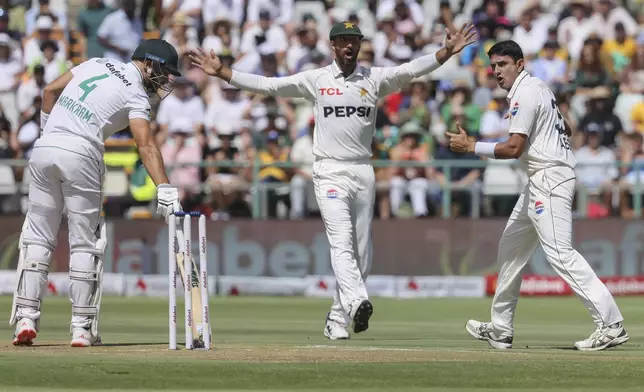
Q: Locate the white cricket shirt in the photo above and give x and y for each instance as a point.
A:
(534, 112)
(98, 101)
(344, 107)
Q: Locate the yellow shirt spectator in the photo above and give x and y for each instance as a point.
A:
(626, 48)
(273, 153)
(637, 116)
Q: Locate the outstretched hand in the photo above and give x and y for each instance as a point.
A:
(209, 63)
(459, 142)
(457, 40)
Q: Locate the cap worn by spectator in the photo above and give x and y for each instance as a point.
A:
(401, 52)
(182, 19)
(44, 22)
(411, 128)
(181, 125)
(551, 44)
(307, 17)
(266, 49)
(227, 130)
(388, 16)
(264, 15)
(5, 40)
(226, 54)
(345, 29)
(580, 3)
(600, 92)
(593, 128)
(272, 136)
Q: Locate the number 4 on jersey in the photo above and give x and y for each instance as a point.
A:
(88, 85)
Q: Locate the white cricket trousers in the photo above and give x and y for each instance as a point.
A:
(543, 215)
(345, 192)
(62, 179)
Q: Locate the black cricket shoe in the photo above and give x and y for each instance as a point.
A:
(362, 316)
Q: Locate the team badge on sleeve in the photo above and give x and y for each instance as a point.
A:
(515, 109)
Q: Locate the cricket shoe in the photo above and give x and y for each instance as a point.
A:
(334, 330)
(483, 331)
(361, 316)
(82, 337)
(25, 333)
(603, 338)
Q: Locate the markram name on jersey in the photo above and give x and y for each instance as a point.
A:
(76, 108)
(100, 99)
(344, 107)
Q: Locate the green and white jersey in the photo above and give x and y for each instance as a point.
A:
(103, 95)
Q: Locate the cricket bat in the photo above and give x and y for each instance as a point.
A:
(197, 315)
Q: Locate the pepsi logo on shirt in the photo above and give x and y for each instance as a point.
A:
(331, 194)
(539, 207)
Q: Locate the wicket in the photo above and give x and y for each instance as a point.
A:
(180, 247)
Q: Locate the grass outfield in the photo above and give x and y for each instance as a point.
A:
(276, 344)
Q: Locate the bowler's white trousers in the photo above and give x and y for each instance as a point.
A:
(345, 192)
(543, 215)
(62, 179)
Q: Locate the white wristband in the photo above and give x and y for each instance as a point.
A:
(485, 149)
(43, 119)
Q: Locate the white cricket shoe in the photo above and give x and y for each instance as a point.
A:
(334, 330)
(603, 338)
(25, 333)
(82, 337)
(483, 331)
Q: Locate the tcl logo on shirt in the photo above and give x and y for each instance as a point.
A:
(330, 91)
(346, 111)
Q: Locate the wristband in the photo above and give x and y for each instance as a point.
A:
(43, 119)
(485, 149)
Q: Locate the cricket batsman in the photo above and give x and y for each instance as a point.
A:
(81, 109)
(539, 137)
(345, 97)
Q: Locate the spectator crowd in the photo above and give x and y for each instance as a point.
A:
(231, 152)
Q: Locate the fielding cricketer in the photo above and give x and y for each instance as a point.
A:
(81, 109)
(539, 137)
(345, 96)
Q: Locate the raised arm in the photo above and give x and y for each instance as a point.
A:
(295, 86)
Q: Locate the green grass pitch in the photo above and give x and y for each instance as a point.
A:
(276, 344)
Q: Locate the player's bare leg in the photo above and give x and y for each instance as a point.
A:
(37, 242)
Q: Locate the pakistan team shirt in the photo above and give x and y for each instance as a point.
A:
(344, 107)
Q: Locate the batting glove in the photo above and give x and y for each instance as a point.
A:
(168, 200)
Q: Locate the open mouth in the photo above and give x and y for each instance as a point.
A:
(500, 80)
(349, 55)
